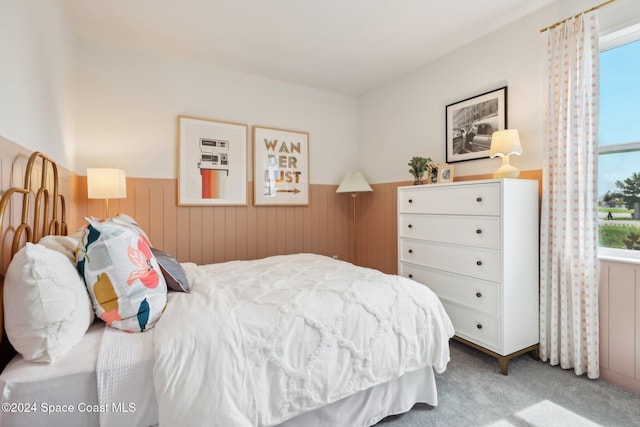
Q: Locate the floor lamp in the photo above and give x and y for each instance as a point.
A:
(106, 183)
(354, 183)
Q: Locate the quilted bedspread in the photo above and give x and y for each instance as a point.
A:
(258, 342)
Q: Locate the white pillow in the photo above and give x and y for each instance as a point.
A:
(66, 245)
(46, 306)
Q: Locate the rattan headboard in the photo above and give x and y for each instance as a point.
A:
(41, 213)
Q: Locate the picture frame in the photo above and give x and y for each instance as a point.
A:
(432, 172)
(445, 173)
(213, 163)
(281, 167)
(471, 122)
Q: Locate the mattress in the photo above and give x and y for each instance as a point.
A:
(43, 394)
(60, 393)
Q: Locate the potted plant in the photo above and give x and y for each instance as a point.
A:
(419, 165)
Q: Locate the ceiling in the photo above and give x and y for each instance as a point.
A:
(347, 46)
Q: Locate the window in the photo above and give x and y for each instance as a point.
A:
(619, 151)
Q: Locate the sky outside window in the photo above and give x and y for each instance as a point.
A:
(619, 113)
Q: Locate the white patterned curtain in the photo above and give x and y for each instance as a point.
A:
(569, 227)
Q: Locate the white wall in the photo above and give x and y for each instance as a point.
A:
(128, 103)
(37, 73)
(406, 118)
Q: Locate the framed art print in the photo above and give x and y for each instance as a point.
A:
(445, 173)
(471, 122)
(281, 167)
(213, 162)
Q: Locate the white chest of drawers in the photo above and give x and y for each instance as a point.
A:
(475, 244)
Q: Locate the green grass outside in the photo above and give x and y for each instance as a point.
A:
(615, 210)
(614, 235)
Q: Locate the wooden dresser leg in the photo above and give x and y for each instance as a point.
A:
(535, 353)
(504, 365)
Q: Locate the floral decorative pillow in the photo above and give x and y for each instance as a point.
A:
(122, 276)
(125, 219)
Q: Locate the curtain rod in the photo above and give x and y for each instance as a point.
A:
(550, 27)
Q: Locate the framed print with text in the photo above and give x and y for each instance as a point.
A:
(281, 167)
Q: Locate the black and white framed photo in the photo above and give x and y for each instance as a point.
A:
(471, 122)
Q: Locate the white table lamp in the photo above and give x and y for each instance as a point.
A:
(106, 183)
(504, 143)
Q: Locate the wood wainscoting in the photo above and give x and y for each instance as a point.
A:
(619, 307)
(216, 234)
(205, 234)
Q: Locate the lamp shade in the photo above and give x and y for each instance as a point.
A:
(353, 182)
(106, 183)
(505, 143)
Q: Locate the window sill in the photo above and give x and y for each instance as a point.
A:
(619, 255)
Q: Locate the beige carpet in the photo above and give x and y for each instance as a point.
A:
(472, 392)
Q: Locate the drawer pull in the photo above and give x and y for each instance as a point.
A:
(478, 231)
(479, 294)
(410, 200)
(410, 226)
(410, 276)
(479, 199)
(410, 251)
(479, 326)
(478, 263)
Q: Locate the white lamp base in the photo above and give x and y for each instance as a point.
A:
(506, 170)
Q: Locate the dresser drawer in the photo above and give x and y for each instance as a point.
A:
(472, 199)
(480, 328)
(483, 231)
(477, 294)
(481, 263)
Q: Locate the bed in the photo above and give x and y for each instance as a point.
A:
(288, 340)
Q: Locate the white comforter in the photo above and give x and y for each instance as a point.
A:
(257, 342)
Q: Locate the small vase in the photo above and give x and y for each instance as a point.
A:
(417, 182)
